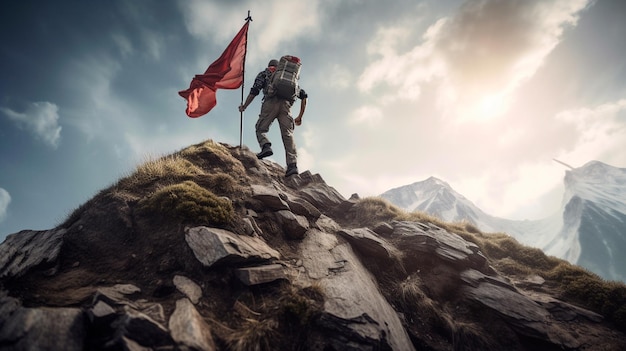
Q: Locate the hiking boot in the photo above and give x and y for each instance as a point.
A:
(265, 151)
(291, 170)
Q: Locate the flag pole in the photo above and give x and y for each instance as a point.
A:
(243, 82)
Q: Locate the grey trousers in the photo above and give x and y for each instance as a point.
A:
(271, 109)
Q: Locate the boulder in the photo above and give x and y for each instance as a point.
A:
(355, 313)
(369, 243)
(188, 328)
(270, 197)
(327, 224)
(293, 226)
(302, 207)
(43, 329)
(213, 245)
(27, 249)
(322, 196)
(140, 328)
(522, 314)
(449, 247)
(190, 289)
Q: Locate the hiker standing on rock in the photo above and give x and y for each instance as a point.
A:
(279, 83)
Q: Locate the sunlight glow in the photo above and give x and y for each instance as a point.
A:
(492, 106)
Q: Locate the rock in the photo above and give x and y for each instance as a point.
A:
(116, 294)
(188, 288)
(43, 328)
(250, 226)
(102, 309)
(383, 228)
(449, 247)
(293, 226)
(27, 249)
(8, 305)
(212, 245)
(127, 344)
(260, 274)
(151, 309)
(562, 311)
(142, 329)
(369, 243)
(523, 314)
(303, 208)
(354, 308)
(327, 224)
(189, 328)
(269, 196)
(474, 278)
(322, 196)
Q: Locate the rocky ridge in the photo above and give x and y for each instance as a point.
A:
(293, 268)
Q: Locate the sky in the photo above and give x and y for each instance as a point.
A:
(482, 94)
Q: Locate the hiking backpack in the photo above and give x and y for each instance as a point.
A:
(284, 81)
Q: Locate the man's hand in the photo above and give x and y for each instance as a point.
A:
(298, 120)
(242, 108)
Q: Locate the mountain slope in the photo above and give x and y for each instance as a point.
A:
(213, 249)
(589, 229)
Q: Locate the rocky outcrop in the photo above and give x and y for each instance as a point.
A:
(356, 314)
(27, 249)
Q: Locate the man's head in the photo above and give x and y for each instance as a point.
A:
(273, 63)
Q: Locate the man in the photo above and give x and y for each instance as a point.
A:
(275, 108)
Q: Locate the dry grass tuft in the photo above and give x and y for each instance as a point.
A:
(211, 155)
(164, 170)
(222, 184)
(419, 308)
(188, 202)
(253, 335)
(301, 306)
(469, 336)
(371, 210)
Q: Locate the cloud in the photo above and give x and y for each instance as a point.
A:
(97, 107)
(5, 200)
(273, 22)
(370, 116)
(598, 133)
(478, 56)
(41, 119)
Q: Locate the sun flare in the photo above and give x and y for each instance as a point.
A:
(490, 106)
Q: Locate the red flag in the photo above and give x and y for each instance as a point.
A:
(225, 73)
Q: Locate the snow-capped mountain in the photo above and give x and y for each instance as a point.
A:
(594, 213)
(588, 230)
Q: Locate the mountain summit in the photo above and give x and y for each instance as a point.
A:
(588, 230)
(435, 197)
(212, 249)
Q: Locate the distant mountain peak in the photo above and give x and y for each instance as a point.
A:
(436, 181)
(589, 229)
